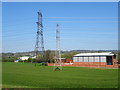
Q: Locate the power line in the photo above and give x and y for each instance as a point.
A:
(19, 35)
(82, 17)
(87, 21)
(25, 20)
(63, 28)
(13, 25)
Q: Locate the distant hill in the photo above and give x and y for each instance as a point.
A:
(32, 53)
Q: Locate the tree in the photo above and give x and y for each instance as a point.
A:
(47, 55)
(69, 55)
(30, 60)
(8, 59)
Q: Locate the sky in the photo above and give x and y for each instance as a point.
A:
(83, 25)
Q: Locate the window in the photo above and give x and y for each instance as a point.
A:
(75, 59)
(80, 59)
(91, 59)
(96, 58)
(103, 59)
(85, 59)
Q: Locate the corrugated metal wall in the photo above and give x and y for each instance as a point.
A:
(85, 59)
(97, 59)
(103, 59)
(90, 59)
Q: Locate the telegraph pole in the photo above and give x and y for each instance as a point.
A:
(58, 63)
(39, 46)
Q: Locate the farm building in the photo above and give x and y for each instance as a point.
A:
(101, 59)
(64, 60)
(24, 58)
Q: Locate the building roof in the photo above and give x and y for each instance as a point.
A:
(25, 56)
(95, 54)
(60, 58)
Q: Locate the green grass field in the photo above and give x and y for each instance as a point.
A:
(26, 75)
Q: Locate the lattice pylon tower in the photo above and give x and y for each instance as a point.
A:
(39, 46)
(57, 63)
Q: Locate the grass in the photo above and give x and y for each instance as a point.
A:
(26, 75)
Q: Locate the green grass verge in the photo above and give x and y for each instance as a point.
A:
(26, 75)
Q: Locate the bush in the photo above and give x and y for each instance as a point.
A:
(8, 59)
(43, 64)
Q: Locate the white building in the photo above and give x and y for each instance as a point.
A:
(105, 58)
(33, 57)
(24, 57)
(17, 60)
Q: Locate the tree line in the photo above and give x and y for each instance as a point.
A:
(48, 56)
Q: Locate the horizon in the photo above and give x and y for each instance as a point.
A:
(61, 51)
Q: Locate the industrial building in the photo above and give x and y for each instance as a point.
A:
(92, 59)
(103, 59)
(106, 58)
(24, 57)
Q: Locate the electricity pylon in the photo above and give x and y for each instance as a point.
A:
(39, 46)
(57, 63)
